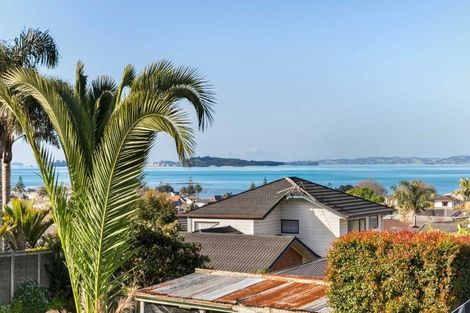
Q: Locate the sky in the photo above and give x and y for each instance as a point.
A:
(294, 80)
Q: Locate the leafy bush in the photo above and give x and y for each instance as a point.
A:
(160, 252)
(398, 272)
(366, 193)
(29, 297)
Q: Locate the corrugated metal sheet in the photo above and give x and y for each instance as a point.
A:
(273, 291)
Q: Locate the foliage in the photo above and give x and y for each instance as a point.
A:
(20, 186)
(413, 196)
(252, 186)
(191, 189)
(165, 188)
(398, 272)
(31, 49)
(366, 193)
(344, 188)
(227, 195)
(105, 131)
(373, 185)
(160, 253)
(60, 288)
(23, 225)
(265, 180)
(464, 188)
(29, 297)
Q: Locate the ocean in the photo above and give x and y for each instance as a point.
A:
(218, 180)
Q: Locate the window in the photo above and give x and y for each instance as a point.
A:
(290, 226)
(445, 203)
(373, 222)
(357, 225)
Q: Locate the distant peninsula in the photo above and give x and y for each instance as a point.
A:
(213, 161)
(208, 161)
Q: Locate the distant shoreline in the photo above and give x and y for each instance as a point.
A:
(208, 161)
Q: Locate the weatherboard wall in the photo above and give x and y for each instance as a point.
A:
(245, 226)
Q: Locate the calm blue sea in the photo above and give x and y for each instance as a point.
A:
(217, 180)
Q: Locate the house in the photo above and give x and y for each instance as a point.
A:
(291, 206)
(251, 253)
(446, 202)
(218, 291)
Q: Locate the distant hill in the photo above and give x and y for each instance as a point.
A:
(60, 163)
(213, 161)
(461, 159)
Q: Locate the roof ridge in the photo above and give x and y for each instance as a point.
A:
(341, 192)
(235, 195)
(292, 237)
(298, 279)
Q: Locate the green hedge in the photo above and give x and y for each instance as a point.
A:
(398, 272)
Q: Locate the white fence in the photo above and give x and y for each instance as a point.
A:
(20, 266)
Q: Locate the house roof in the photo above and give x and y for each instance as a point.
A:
(315, 269)
(244, 253)
(258, 202)
(223, 291)
(445, 198)
(221, 230)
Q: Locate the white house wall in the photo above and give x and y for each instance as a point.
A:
(318, 227)
(245, 226)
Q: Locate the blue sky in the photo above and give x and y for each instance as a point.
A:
(295, 80)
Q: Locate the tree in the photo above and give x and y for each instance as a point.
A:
(344, 188)
(373, 185)
(105, 131)
(165, 188)
(160, 252)
(265, 181)
(464, 188)
(366, 193)
(31, 49)
(198, 189)
(414, 196)
(252, 186)
(24, 225)
(20, 186)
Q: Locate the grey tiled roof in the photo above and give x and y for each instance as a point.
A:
(240, 253)
(315, 268)
(257, 203)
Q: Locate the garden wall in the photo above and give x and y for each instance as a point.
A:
(20, 266)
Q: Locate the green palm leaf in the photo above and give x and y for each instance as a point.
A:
(106, 134)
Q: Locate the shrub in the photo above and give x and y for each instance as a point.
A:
(398, 272)
(29, 297)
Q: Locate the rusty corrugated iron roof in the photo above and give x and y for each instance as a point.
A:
(231, 289)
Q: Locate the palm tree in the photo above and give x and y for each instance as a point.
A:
(31, 49)
(106, 131)
(464, 188)
(414, 196)
(24, 225)
(198, 189)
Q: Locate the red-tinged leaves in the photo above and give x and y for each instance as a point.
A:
(398, 272)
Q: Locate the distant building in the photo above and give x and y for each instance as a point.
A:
(251, 253)
(313, 213)
(446, 202)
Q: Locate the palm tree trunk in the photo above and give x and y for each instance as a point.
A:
(6, 186)
(2, 239)
(6, 171)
